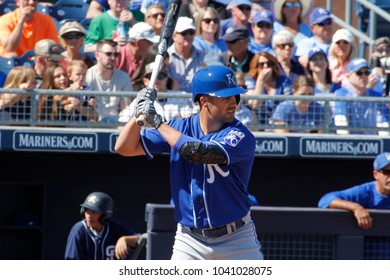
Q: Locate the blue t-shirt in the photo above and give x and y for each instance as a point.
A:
(256, 48)
(365, 194)
(288, 113)
(218, 47)
(361, 114)
(304, 31)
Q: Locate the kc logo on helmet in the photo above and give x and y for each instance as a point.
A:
(231, 79)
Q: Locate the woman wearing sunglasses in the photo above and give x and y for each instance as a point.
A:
(289, 15)
(208, 30)
(264, 77)
(72, 36)
(191, 8)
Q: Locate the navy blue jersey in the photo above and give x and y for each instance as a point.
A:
(207, 195)
(83, 244)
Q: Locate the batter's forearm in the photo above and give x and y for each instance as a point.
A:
(129, 140)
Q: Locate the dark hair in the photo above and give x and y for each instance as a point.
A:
(101, 43)
(328, 74)
(302, 81)
(284, 18)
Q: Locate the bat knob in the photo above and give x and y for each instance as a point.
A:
(140, 122)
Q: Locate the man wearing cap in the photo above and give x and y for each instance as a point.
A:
(371, 195)
(184, 58)
(241, 12)
(141, 36)
(262, 27)
(353, 117)
(72, 36)
(46, 52)
(23, 27)
(237, 40)
(321, 27)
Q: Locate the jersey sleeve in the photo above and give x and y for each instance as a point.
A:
(75, 246)
(358, 194)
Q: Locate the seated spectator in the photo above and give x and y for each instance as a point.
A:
(241, 12)
(264, 78)
(184, 58)
(283, 44)
(105, 77)
(104, 26)
(321, 27)
(341, 50)
(356, 117)
(371, 195)
(303, 116)
(22, 28)
(80, 107)
(169, 108)
(46, 52)
(318, 69)
(243, 113)
(237, 40)
(262, 27)
(72, 36)
(50, 108)
(141, 36)
(97, 7)
(97, 236)
(380, 64)
(208, 30)
(154, 16)
(192, 8)
(289, 16)
(16, 106)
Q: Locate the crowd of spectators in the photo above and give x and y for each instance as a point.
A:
(291, 48)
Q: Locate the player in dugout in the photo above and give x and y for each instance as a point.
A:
(211, 157)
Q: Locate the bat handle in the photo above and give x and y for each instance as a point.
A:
(157, 65)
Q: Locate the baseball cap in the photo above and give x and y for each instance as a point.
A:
(184, 23)
(143, 31)
(342, 34)
(236, 3)
(49, 48)
(318, 15)
(149, 69)
(263, 15)
(236, 32)
(381, 161)
(356, 64)
(72, 26)
(315, 51)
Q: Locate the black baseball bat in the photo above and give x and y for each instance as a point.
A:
(166, 36)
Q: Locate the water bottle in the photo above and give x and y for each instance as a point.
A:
(120, 30)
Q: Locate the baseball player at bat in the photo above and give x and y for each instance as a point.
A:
(211, 157)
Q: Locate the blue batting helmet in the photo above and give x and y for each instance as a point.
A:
(215, 80)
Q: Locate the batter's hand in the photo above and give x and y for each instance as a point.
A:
(146, 108)
(363, 218)
(121, 250)
(147, 93)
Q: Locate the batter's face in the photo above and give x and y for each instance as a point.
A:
(382, 178)
(92, 217)
(220, 109)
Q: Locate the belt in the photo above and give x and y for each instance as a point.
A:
(218, 231)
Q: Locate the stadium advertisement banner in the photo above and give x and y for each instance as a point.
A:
(336, 147)
(271, 146)
(54, 141)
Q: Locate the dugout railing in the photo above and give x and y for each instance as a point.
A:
(29, 114)
(288, 233)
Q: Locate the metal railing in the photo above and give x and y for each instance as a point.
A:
(375, 11)
(262, 118)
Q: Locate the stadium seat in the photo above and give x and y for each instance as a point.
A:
(6, 64)
(7, 6)
(66, 10)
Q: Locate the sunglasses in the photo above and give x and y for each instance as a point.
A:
(365, 73)
(268, 64)
(209, 20)
(110, 54)
(155, 16)
(342, 42)
(292, 4)
(190, 32)
(73, 36)
(325, 22)
(263, 24)
(385, 172)
(283, 46)
(244, 7)
(385, 49)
